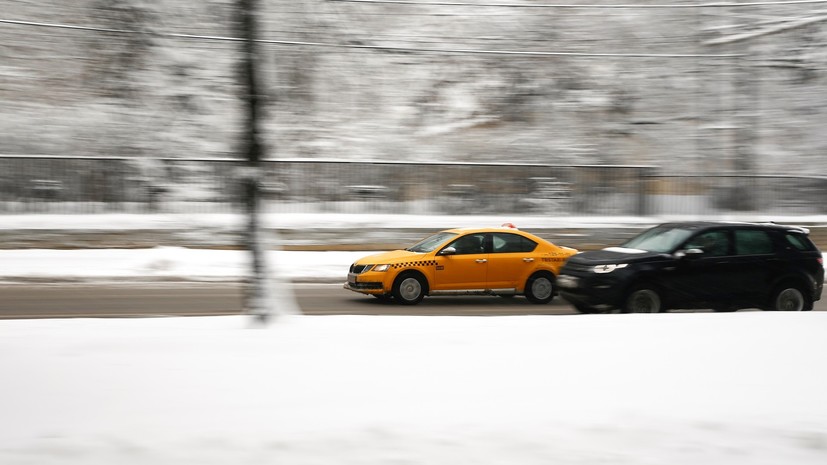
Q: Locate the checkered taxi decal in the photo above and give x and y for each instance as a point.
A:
(417, 263)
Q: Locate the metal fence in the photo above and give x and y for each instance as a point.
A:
(54, 184)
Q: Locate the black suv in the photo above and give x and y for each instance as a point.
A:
(717, 265)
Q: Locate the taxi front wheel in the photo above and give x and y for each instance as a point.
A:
(408, 289)
(540, 288)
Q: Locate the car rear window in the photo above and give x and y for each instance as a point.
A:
(506, 243)
(799, 241)
(752, 242)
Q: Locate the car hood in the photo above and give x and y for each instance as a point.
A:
(614, 255)
(387, 257)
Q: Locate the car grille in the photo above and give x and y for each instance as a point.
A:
(359, 269)
(366, 285)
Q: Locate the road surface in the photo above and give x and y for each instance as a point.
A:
(183, 299)
(107, 300)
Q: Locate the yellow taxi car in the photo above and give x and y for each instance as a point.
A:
(494, 261)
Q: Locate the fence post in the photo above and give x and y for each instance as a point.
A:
(643, 175)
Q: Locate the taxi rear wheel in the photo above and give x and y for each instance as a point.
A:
(539, 288)
(408, 289)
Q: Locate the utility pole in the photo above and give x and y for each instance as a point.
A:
(258, 298)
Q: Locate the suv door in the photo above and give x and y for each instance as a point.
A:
(754, 264)
(705, 277)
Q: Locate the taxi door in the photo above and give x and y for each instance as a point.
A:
(466, 268)
(510, 261)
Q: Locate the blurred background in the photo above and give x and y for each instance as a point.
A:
(585, 108)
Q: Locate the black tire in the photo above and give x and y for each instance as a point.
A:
(539, 289)
(789, 298)
(643, 299)
(409, 289)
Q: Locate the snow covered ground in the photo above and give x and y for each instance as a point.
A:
(688, 388)
(683, 388)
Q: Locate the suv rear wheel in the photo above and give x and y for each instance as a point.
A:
(789, 298)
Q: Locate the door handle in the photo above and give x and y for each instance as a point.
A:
(528, 260)
(480, 260)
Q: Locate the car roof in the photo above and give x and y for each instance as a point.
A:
(700, 225)
(488, 229)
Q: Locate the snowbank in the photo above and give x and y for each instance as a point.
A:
(167, 264)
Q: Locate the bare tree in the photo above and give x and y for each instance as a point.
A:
(258, 298)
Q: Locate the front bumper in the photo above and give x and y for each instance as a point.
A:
(590, 290)
(364, 286)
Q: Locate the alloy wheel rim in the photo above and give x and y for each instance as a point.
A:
(645, 302)
(410, 288)
(790, 300)
(541, 288)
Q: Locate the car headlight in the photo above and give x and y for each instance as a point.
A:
(381, 268)
(608, 268)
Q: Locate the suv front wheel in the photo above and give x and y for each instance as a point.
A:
(643, 299)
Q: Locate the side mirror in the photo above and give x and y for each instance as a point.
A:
(689, 253)
(447, 251)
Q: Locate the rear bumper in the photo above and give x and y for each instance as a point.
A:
(817, 291)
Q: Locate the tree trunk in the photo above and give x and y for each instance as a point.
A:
(258, 299)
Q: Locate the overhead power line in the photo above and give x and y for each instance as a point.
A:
(525, 53)
(586, 6)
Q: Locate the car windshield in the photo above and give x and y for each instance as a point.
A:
(660, 239)
(430, 243)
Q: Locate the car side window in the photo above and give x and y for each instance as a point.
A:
(713, 243)
(752, 242)
(798, 242)
(510, 243)
(470, 244)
